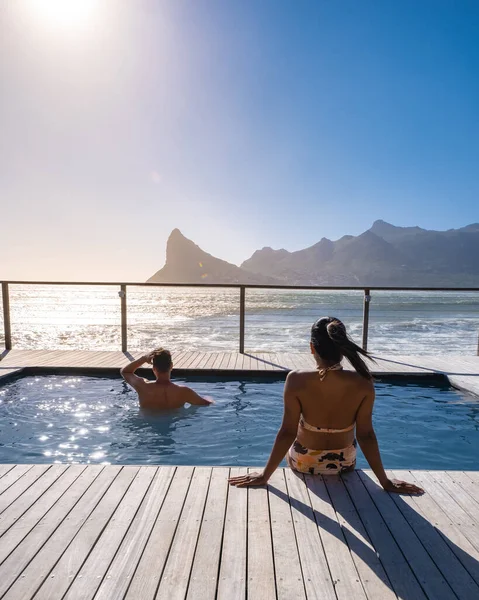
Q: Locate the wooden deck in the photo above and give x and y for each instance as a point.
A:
(129, 532)
(462, 371)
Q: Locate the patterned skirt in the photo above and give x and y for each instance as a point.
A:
(321, 462)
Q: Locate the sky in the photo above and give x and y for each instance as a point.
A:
(245, 123)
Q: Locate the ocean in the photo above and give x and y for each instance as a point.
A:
(88, 318)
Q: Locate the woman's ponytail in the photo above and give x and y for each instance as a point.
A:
(337, 338)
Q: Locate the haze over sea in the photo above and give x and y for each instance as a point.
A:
(88, 318)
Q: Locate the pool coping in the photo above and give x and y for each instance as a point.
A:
(228, 374)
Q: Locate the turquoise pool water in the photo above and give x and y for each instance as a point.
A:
(55, 418)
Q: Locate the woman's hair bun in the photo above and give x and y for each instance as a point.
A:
(336, 331)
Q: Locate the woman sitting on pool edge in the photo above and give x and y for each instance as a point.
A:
(321, 410)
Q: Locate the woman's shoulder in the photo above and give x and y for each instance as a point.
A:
(299, 376)
(356, 379)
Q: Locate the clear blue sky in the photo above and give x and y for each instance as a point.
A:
(244, 123)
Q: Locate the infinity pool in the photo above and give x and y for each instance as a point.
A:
(53, 418)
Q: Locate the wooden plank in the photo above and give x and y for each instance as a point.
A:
(179, 358)
(98, 359)
(461, 497)
(174, 582)
(82, 493)
(5, 469)
(55, 566)
(22, 484)
(265, 361)
(204, 574)
(468, 485)
(256, 363)
(316, 575)
(54, 358)
(421, 563)
(43, 558)
(192, 357)
(246, 364)
(260, 362)
(197, 360)
(398, 570)
(286, 361)
(31, 495)
(207, 360)
(123, 567)
(261, 577)
(277, 363)
(347, 581)
(148, 573)
(113, 530)
(454, 572)
(232, 360)
(287, 566)
(219, 359)
(456, 515)
(224, 362)
(294, 360)
(469, 480)
(240, 362)
(280, 358)
(232, 576)
(12, 475)
(438, 513)
(16, 532)
(371, 571)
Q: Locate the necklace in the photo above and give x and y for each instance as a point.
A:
(323, 372)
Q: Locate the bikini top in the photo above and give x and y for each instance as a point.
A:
(309, 427)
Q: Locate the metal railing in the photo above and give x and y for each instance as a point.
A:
(122, 293)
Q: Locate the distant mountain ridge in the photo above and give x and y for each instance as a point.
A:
(188, 263)
(384, 255)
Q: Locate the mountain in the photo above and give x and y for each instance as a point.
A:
(188, 263)
(384, 255)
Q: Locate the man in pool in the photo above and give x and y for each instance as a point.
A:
(163, 393)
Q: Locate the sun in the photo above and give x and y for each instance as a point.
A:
(64, 14)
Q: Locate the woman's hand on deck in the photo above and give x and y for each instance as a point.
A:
(401, 487)
(248, 480)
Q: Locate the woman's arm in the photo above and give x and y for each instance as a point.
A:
(369, 445)
(284, 438)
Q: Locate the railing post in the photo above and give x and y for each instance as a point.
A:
(6, 316)
(367, 300)
(124, 334)
(242, 311)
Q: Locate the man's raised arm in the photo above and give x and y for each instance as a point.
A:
(128, 372)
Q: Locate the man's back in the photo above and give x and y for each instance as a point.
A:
(161, 394)
(166, 395)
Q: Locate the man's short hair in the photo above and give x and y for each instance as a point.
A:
(162, 360)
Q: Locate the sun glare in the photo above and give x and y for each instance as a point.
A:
(64, 14)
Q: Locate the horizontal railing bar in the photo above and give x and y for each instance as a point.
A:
(250, 286)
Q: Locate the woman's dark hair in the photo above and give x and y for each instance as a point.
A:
(331, 342)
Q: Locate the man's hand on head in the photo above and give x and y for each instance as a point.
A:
(149, 357)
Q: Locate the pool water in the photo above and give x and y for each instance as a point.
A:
(54, 418)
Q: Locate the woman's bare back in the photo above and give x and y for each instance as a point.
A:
(331, 403)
